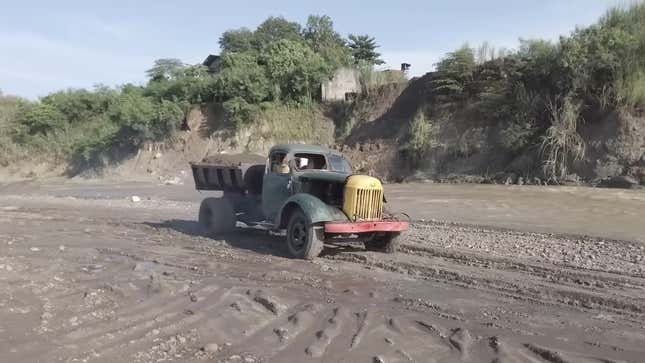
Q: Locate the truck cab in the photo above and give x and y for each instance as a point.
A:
(303, 169)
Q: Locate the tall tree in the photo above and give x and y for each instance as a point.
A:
(237, 40)
(324, 40)
(243, 78)
(364, 49)
(164, 69)
(295, 68)
(274, 29)
(319, 31)
(454, 72)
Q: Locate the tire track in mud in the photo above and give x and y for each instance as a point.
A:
(535, 283)
(237, 312)
(141, 324)
(324, 337)
(561, 273)
(551, 274)
(344, 333)
(581, 252)
(151, 310)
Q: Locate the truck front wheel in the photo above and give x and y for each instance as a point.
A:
(388, 243)
(304, 239)
(216, 216)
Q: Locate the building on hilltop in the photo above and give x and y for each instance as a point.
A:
(212, 62)
(342, 86)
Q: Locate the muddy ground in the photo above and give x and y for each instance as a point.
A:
(87, 275)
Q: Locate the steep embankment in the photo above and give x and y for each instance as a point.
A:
(464, 145)
(206, 132)
(464, 142)
(615, 146)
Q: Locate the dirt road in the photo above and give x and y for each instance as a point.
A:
(88, 275)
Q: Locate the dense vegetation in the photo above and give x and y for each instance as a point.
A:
(280, 65)
(537, 97)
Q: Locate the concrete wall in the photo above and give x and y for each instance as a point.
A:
(344, 80)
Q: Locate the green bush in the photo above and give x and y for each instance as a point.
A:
(421, 138)
(242, 77)
(42, 119)
(518, 115)
(238, 111)
(80, 105)
(141, 119)
(188, 85)
(132, 120)
(454, 72)
(296, 69)
(96, 141)
(561, 144)
(594, 59)
(10, 108)
(631, 90)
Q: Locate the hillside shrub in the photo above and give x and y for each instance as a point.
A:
(80, 105)
(420, 138)
(454, 73)
(42, 119)
(242, 77)
(561, 144)
(631, 90)
(296, 69)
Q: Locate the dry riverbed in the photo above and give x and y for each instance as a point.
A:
(87, 275)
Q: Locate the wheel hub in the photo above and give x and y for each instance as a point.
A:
(298, 236)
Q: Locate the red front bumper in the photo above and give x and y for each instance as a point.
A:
(362, 227)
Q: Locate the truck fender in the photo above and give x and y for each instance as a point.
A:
(315, 209)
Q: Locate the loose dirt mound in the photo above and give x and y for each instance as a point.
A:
(234, 159)
(381, 160)
(398, 105)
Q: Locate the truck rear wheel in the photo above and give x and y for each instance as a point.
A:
(304, 239)
(388, 243)
(216, 216)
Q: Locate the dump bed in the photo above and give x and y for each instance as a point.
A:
(239, 178)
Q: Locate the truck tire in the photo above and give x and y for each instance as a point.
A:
(216, 216)
(304, 239)
(388, 243)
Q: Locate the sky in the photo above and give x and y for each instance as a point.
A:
(51, 45)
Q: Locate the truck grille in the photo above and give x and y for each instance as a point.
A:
(363, 198)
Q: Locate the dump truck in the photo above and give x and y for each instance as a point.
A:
(309, 193)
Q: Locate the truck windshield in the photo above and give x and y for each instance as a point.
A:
(339, 163)
(306, 161)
